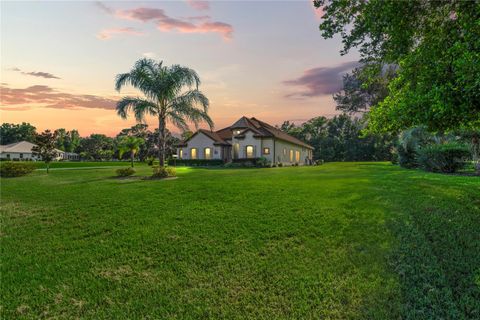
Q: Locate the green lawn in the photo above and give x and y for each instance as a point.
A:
(339, 241)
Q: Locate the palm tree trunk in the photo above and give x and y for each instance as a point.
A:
(131, 156)
(161, 140)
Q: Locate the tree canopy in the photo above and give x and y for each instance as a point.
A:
(436, 46)
(171, 94)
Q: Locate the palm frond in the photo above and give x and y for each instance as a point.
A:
(140, 108)
(183, 76)
(193, 98)
(177, 120)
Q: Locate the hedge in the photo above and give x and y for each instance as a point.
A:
(195, 162)
(16, 169)
(447, 157)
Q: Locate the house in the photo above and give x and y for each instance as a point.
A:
(22, 151)
(247, 138)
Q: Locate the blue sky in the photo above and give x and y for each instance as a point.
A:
(263, 59)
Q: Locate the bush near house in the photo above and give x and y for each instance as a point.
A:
(263, 162)
(163, 172)
(447, 158)
(16, 169)
(195, 162)
(125, 172)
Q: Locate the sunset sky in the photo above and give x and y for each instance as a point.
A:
(262, 59)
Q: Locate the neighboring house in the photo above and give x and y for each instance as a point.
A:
(22, 150)
(247, 138)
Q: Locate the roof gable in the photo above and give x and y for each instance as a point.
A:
(259, 128)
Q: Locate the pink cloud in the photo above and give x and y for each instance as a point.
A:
(165, 23)
(141, 14)
(45, 96)
(109, 33)
(221, 28)
(199, 5)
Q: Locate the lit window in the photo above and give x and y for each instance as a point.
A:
(180, 154)
(266, 150)
(249, 151)
(208, 153)
(291, 155)
(193, 153)
(297, 156)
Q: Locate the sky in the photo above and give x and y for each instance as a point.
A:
(263, 59)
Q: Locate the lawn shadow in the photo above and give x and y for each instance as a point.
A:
(434, 220)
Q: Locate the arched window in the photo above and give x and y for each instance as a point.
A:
(249, 152)
(208, 153)
(291, 155)
(180, 154)
(193, 153)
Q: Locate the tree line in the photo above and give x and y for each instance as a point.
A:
(138, 139)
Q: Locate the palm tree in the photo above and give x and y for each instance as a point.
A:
(165, 97)
(129, 144)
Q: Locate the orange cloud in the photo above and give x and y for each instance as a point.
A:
(109, 33)
(45, 96)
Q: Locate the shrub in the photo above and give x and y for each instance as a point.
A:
(407, 157)
(239, 165)
(280, 164)
(125, 172)
(319, 162)
(447, 157)
(163, 172)
(16, 169)
(263, 162)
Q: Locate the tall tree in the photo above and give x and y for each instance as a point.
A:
(165, 97)
(45, 147)
(96, 147)
(130, 144)
(436, 45)
(363, 88)
(11, 133)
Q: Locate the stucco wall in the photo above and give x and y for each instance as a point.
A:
(200, 141)
(16, 156)
(248, 140)
(284, 158)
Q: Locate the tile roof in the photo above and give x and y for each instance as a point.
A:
(18, 147)
(260, 128)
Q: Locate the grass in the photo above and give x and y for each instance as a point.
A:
(339, 241)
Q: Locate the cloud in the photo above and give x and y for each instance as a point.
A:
(45, 96)
(141, 14)
(221, 28)
(199, 5)
(41, 74)
(320, 81)
(109, 33)
(166, 23)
